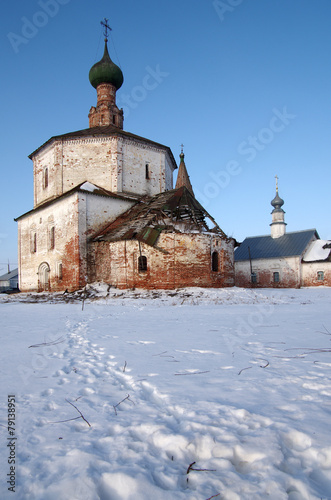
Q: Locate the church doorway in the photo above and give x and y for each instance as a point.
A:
(43, 277)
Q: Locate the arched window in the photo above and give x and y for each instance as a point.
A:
(142, 263)
(214, 261)
(276, 277)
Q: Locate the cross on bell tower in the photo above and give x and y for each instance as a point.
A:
(276, 177)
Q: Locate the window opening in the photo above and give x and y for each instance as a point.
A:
(147, 171)
(320, 276)
(214, 261)
(52, 238)
(142, 263)
(45, 178)
(276, 277)
(253, 278)
(33, 242)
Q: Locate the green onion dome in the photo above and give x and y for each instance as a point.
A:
(105, 71)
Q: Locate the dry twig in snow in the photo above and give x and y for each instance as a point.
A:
(60, 340)
(248, 368)
(127, 398)
(70, 419)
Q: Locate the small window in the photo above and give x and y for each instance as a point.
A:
(45, 178)
(214, 262)
(114, 120)
(276, 277)
(33, 242)
(320, 276)
(142, 263)
(147, 171)
(253, 278)
(52, 238)
(59, 271)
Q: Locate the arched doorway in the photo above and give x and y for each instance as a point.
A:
(43, 277)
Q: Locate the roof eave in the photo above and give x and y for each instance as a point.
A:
(104, 131)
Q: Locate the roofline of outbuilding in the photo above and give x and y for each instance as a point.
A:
(101, 192)
(101, 132)
(288, 232)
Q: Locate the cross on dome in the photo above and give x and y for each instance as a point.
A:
(106, 26)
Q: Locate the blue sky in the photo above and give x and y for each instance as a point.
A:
(243, 84)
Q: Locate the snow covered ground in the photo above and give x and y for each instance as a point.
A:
(190, 394)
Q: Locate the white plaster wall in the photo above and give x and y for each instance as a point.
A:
(116, 164)
(310, 270)
(88, 159)
(101, 210)
(47, 158)
(289, 269)
(63, 215)
(135, 157)
(169, 182)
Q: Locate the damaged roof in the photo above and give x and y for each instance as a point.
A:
(151, 215)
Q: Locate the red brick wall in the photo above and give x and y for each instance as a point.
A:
(289, 272)
(310, 270)
(185, 261)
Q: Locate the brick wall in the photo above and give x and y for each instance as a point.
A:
(181, 260)
(310, 276)
(289, 270)
(36, 249)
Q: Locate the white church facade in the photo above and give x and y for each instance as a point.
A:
(283, 259)
(105, 210)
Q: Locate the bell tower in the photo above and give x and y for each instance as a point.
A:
(278, 225)
(106, 77)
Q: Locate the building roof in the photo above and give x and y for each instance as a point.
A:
(318, 251)
(163, 212)
(85, 187)
(110, 131)
(183, 178)
(8, 276)
(265, 247)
